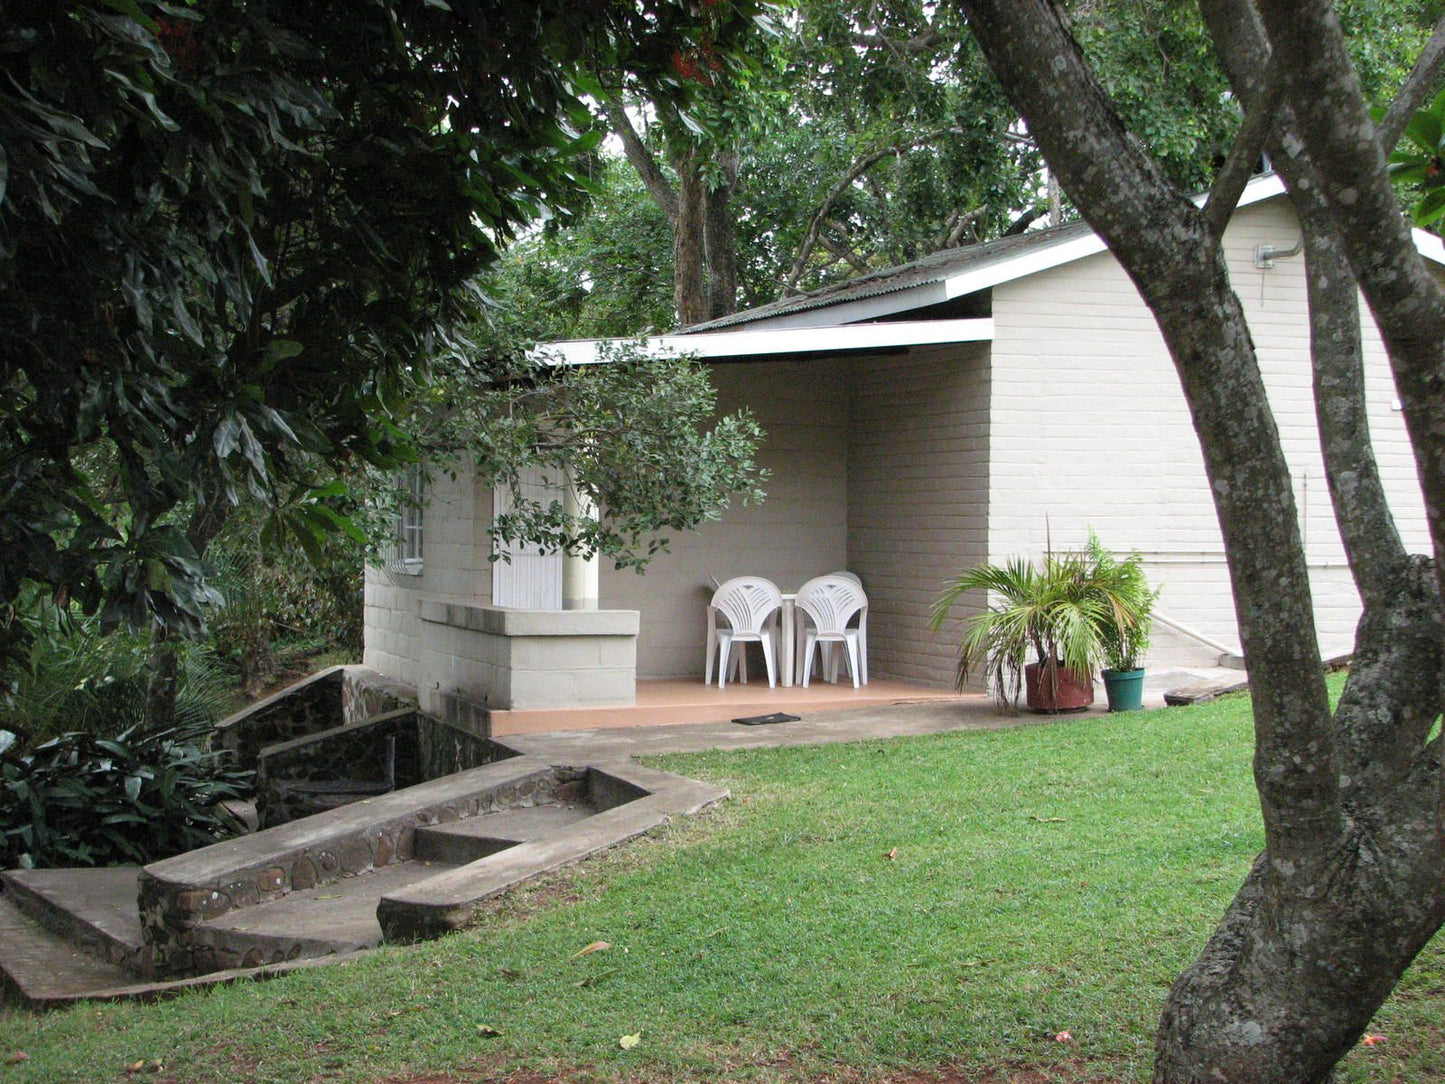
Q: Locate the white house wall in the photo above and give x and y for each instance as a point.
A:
(1089, 428)
(797, 533)
(454, 565)
(917, 498)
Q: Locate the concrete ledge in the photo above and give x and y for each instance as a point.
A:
(501, 621)
(178, 894)
(448, 901)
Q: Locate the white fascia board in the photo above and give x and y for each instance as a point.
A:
(1026, 263)
(1031, 263)
(864, 308)
(823, 340)
(1429, 246)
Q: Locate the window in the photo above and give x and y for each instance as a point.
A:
(409, 526)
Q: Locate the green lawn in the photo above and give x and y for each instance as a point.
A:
(853, 911)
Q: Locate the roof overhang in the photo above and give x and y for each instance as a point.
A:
(718, 345)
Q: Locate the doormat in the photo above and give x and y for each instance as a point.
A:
(763, 720)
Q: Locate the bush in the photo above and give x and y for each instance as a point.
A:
(83, 800)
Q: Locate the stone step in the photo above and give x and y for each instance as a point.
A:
(94, 908)
(41, 969)
(460, 842)
(335, 918)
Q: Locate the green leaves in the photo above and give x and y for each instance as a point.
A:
(79, 800)
(1420, 165)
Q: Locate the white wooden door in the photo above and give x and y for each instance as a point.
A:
(531, 580)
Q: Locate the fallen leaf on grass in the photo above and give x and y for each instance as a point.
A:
(892, 855)
(1373, 1040)
(596, 946)
(1047, 820)
(510, 973)
(16, 1057)
(142, 1066)
(1064, 1037)
(409, 1008)
(486, 1031)
(627, 1042)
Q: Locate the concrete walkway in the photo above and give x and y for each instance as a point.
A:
(975, 712)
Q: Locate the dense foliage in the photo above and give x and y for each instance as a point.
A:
(83, 800)
(235, 235)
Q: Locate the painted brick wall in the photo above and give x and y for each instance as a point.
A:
(917, 498)
(797, 533)
(1090, 428)
(454, 565)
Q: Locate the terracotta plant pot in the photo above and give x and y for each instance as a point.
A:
(1058, 690)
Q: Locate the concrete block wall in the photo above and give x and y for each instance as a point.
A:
(454, 564)
(918, 435)
(1089, 428)
(520, 660)
(799, 532)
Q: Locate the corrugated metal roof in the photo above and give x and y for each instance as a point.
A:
(934, 268)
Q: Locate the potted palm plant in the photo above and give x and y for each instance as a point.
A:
(1126, 637)
(1063, 613)
(1039, 611)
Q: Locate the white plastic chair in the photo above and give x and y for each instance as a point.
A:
(830, 603)
(750, 606)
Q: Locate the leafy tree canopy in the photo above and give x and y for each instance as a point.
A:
(235, 236)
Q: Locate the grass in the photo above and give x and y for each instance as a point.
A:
(855, 912)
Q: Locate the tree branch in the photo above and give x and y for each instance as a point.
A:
(1405, 297)
(1418, 84)
(860, 167)
(1362, 512)
(656, 182)
(1180, 270)
(1244, 152)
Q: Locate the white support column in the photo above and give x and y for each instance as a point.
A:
(579, 574)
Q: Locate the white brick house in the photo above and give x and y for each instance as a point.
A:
(919, 421)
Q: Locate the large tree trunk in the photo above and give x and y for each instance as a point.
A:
(720, 241)
(1352, 880)
(163, 685)
(689, 288)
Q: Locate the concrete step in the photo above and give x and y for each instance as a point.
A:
(460, 842)
(94, 908)
(41, 969)
(334, 918)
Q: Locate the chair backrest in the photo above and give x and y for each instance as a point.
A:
(831, 601)
(747, 602)
(853, 576)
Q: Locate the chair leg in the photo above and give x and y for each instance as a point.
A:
(767, 642)
(708, 654)
(724, 651)
(808, 645)
(851, 643)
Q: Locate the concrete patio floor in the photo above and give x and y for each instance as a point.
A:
(669, 703)
(831, 720)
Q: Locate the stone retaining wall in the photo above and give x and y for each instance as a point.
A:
(425, 749)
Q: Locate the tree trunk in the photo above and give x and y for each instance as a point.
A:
(720, 241)
(689, 290)
(163, 685)
(1352, 880)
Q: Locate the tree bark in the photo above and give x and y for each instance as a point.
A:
(689, 286)
(720, 240)
(1349, 886)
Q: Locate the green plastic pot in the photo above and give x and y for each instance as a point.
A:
(1125, 689)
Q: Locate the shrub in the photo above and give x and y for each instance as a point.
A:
(83, 800)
